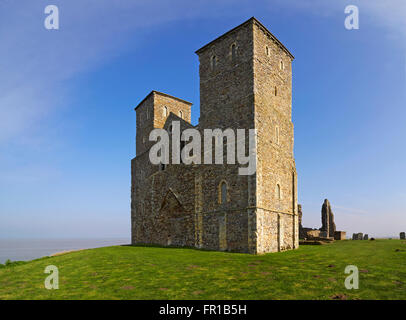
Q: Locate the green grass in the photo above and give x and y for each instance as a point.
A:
(125, 272)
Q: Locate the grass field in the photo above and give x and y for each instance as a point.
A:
(125, 272)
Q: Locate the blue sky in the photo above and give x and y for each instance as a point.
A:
(67, 125)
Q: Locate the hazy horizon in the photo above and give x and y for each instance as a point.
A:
(29, 249)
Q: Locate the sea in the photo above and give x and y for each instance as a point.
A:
(29, 249)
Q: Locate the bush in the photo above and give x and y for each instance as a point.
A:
(10, 263)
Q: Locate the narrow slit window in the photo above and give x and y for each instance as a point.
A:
(233, 52)
(223, 192)
(213, 62)
(278, 191)
(277, 135)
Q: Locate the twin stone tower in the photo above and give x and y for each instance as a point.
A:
(245, 83)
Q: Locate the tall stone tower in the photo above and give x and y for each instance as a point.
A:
(246, 82)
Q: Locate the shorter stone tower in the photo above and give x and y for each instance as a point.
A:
(152, 113)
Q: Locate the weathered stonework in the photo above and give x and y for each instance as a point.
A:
(339, 235)
(402, 236)
(302, 231)
(313, 234)
(357, 236)
(245, 83)
(327, 219)
(328, 229)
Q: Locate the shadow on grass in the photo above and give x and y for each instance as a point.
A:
(150, 245)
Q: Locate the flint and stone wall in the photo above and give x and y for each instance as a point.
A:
(245, 83)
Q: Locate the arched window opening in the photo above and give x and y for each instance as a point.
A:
(277, 135)
(213, 62)
(233, 51)
(267, 51)
(223, 193)
(278, 191)
(170, 128)
(281, 65)
(181, 114)
(165, 111)
(276, 91)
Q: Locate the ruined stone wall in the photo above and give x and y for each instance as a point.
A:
(339, 235)
(327, 219)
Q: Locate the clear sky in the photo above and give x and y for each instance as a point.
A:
(67, 125)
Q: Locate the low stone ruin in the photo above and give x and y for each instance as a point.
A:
(357, 236)
(402, 236)
(328, 229)
(313, 234)
(365, 237)
(339, 235)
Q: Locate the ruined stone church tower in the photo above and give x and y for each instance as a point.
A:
(245, 83)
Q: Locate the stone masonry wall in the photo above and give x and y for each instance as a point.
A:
(151, 114)
(276, 173)
(241, 86)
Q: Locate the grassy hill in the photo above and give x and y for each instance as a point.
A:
(126, 272)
